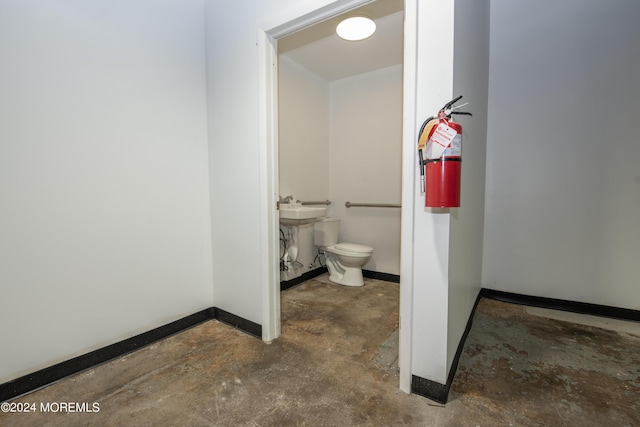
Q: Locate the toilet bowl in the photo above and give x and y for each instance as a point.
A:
(344, 260)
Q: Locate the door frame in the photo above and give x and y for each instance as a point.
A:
(267, 37)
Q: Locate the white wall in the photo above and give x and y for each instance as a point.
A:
(430, 230)
(104, 211)
(232, 89)
(303, 142)
(563, 181)
(448, 243)
(470, 79)
(365, 162)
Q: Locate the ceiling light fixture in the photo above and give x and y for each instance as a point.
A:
(356, 28)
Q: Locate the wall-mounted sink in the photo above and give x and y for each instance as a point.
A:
(296, 214)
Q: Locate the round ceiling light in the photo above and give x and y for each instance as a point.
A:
(356, 28)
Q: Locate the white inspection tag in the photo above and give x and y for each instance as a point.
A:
(440, 140)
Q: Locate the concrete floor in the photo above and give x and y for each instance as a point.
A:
(335, 364)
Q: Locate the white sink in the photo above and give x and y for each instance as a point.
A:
(295, 214)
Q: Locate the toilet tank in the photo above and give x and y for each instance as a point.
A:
(325, 231)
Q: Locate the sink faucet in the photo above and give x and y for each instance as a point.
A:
(281, 200)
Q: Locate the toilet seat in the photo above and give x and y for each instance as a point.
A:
(350, 249)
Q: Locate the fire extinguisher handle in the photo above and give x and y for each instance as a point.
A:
(462, 113)
(449, 104)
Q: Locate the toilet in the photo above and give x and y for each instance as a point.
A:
(344, 260)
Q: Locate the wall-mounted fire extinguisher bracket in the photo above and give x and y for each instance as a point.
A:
(440, 157)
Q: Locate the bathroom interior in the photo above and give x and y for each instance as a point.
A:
(339, 144)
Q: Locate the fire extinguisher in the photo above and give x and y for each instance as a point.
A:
(440, 157)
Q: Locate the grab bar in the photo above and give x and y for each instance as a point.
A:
(372, 205)
(322, 202)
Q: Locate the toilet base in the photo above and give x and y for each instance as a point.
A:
(345, 268)
(350, 277)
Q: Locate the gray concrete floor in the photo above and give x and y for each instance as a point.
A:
(336, 364)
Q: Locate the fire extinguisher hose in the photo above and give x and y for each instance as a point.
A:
(421, 164)
(421, 160)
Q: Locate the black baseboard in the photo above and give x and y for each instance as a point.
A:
(430, 389)
(238, 322)
(563, 305)
(395, 278)
(434, 390)
(288, 284)
(427, 388)
(51, 374)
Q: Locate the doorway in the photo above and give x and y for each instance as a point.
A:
(268, 56)
(340, 137)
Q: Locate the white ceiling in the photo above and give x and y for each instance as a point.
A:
(322, 52)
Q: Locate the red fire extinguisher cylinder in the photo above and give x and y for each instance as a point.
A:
(443, 175)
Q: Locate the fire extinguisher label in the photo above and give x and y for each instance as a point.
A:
(442, 137)
(455, 149)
